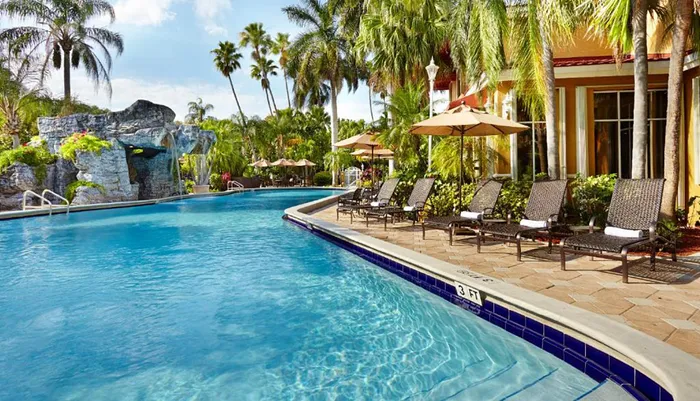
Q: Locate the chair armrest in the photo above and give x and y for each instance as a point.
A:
(591, 225)
(652, 231)
(419, 205)
(552, 218)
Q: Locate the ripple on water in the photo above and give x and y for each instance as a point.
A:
(220, 299)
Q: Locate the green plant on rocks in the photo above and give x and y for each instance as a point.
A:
(73, 187)
(82, 142)
(37, 157)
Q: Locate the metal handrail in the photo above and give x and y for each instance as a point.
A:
(43, 197)
(28, 192)
(231, 185)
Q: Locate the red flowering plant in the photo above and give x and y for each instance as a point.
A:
(226, 177)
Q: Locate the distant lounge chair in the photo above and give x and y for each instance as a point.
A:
(415, 204)
(383, 199)
(542, 215)
(631, 223)
(354, 198)
(479, 210)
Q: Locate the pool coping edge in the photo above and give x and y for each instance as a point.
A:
(672, 368)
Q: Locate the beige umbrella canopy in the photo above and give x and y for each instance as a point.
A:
(361, 141)
(305, 163)
(283, 163)
(379, 153)
(464, 121)
(260, 163)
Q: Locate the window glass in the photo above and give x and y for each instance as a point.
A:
(525, 153)
(625, 146)
(659, 141)
(626, 105)
(540, 136)
(605, 106)
(658, 100)
(605, 147)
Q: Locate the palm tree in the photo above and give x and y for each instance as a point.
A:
(227, 60)
(60, 28)
(624, 24)
(281, 47)
(534, 27)
(680, 31)
(260, 70)
(197, 111)
(255, 36)
(19, 85)
(321, 53)
(402, 36)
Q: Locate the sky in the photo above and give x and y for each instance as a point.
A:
(167, 58)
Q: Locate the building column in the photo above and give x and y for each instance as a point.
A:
(561, 121)
(508, 108)
(582, 130)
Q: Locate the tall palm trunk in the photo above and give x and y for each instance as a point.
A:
(550, 108)
(681, 27)
(274, 104)
(286, 87)
(267, 97)
(66, 76)
(371, 112)
(640, 136)
(230, 81)
(334, 123)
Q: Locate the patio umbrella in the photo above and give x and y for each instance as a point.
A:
(362, 141)
(260, 163)
(464, 121)
(305, 163)
(283, 163)
(379, 153)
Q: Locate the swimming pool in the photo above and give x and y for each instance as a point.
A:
(219, 298)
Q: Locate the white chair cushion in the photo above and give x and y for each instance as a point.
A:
(409, 208)
(471, 215)
(533, 223)
(621, 232)
(374, 204)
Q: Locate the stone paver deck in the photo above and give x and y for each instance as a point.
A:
(664, 303)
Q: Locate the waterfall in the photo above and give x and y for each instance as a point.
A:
(174, 154)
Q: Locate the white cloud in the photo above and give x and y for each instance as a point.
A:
(143, 12)
(176, 96)
(215, 29)
(209, 11)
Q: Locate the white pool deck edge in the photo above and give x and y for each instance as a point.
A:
(678, 372)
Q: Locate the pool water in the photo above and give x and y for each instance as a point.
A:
(220, 299)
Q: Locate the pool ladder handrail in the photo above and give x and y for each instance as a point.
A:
(50, 192)
(44, 201)
(234, 185)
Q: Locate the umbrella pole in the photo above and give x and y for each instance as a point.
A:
(371, 166)
(461, 167)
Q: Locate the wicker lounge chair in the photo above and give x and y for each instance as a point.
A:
(542, 216)
(415, 204)
(354, 198)
(632, 218)
(383, 199)
(477, 213)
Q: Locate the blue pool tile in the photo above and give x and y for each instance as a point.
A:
(450, 288)
(598, 356)
(535, 326)
(413, 273)
(553, 348)
(574, 359)
(422, 277)
(441, 284)
(486, 315)
(488, 305)
(514, 329)
(517, 318)
(498, 321)
(431, 280)
(595, 371)
(634, 392)
(533, 338)
(500, 311)
(617, 380)
(665, 395)
(625, 371)
(554, 335)
(576, 345)
(647, 386)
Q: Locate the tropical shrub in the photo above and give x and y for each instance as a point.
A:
(323, 179)
(82, 142)
(513, 199)
(216, 183)
(444, 200)
(34, 156)
(189, 186)
(73, 187)
(591, 197)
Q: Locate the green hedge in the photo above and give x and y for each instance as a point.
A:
(323, 179)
